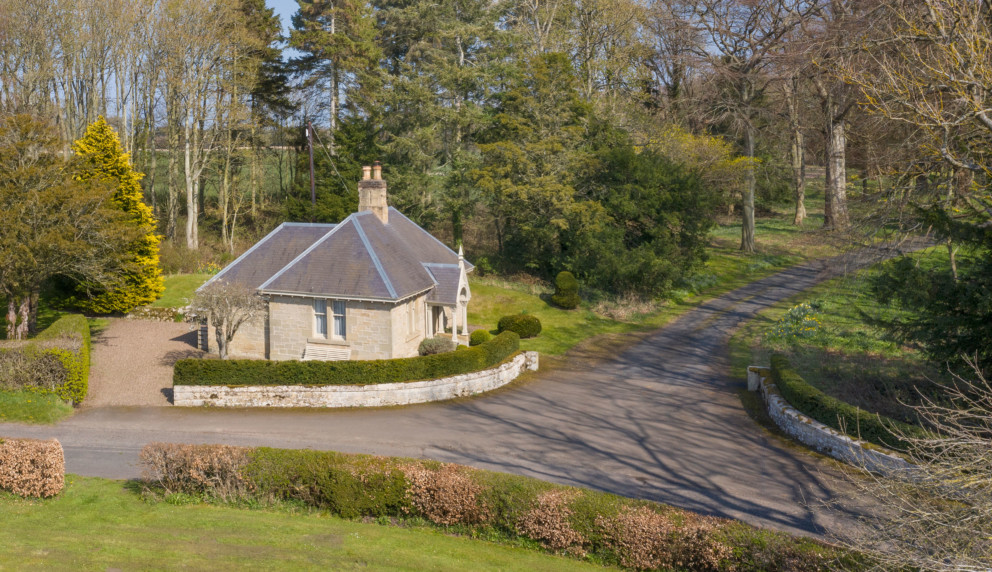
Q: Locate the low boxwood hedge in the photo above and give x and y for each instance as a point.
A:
(56, 361)
(263, 372)
(835, 413)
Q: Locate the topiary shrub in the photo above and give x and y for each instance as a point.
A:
(566, 291)
(479, 337)
(524, 325)
(434, 346)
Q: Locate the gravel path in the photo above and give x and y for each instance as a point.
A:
(132, 362)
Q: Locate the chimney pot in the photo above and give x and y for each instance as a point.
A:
(372, 193)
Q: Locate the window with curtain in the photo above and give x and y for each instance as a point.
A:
(320, 318)
(340, 327)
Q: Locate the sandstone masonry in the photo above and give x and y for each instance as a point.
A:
(378, 395)
(814, 434)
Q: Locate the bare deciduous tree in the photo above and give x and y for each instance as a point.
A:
(936, 516)
(227, 307)
(744, 38)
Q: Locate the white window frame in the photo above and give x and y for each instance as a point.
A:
(317, 314)
(339, 315)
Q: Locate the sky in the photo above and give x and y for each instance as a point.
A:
(285, 9)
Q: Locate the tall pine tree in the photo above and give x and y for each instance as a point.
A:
(100, 156)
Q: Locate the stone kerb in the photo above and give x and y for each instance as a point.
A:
(378, 395)
(814, 434)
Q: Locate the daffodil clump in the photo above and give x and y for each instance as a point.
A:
(802, 322)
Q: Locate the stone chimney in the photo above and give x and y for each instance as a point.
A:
(372, 192)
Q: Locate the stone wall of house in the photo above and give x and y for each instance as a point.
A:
(814, 434)
(369, 330)
(249, 341)
(406, 343)
(290, 324)
(379, 395)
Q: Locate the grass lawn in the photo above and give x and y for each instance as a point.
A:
(849, 358)
(97, 524)
(780, 245)
(28, 407)
(179, 289)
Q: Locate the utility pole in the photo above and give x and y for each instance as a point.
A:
(313, 188)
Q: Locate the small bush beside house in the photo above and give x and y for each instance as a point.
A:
(524, 325)
(56, 362)
(566, 291)
(479, 337)
(434, 346)
(259, 372)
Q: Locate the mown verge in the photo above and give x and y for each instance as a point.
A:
(582, 523)
(421, 368)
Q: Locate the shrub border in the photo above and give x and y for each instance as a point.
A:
(235, 373)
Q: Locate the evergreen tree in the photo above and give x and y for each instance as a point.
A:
(100, 156)
(336, 184)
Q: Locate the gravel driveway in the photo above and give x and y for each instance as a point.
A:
(132, 362)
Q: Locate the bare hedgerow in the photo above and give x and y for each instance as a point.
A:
(548, 520)
(31, 468)
(446, 495)
(215, 470)
(647, 540)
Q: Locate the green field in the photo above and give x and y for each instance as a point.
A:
(97, 524)
(179, 290)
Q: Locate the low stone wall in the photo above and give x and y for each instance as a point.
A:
(814, 434)
(377, 395)
(157, 314)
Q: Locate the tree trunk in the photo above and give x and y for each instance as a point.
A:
(172, 193)
(797, 150)
(835, 190)
(220, 332)
(18, 317)
(192, 194)
(747, 225)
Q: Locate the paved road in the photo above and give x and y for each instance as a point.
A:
(661, 422)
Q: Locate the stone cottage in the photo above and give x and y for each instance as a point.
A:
(370, 287)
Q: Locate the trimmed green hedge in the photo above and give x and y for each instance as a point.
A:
(479, 337)
(56, 361)
(833, 412)
(525, 325)
(263, 372)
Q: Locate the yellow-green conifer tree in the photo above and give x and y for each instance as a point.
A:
(99, 154)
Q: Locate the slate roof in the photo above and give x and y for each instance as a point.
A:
(359, 258)
(446, 276)
(272, 253)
